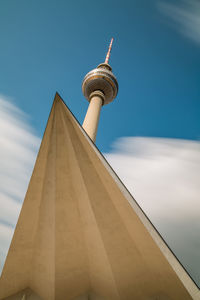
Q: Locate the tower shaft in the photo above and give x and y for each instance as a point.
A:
(91, 120)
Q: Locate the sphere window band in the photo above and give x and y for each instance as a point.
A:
(103, 80)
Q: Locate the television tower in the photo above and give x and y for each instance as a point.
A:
(99, 87)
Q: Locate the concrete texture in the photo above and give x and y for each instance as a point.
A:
(26, 294)
(81, 235)
(91, 120)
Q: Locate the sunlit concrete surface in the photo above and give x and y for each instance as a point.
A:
(81, 235)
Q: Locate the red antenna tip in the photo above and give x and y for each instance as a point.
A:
(109, 50)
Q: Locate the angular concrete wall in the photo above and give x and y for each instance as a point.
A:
(80, 233)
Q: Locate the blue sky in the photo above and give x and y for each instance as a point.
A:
(150, 133)
(48, 46)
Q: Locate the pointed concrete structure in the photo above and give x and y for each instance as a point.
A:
(81, 235)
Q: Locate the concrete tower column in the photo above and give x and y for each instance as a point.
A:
(91, 120)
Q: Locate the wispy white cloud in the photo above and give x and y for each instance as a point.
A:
(185, 15)
(18, 147)
(163, 176)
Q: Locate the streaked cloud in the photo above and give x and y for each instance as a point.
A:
(163, 176)
(18, 148)
(185, 15)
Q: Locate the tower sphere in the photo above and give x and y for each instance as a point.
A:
(101, 79)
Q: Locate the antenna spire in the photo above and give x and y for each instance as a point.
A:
(109, 50)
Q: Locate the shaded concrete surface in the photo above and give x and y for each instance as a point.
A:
(26, 294)
(81, 235)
